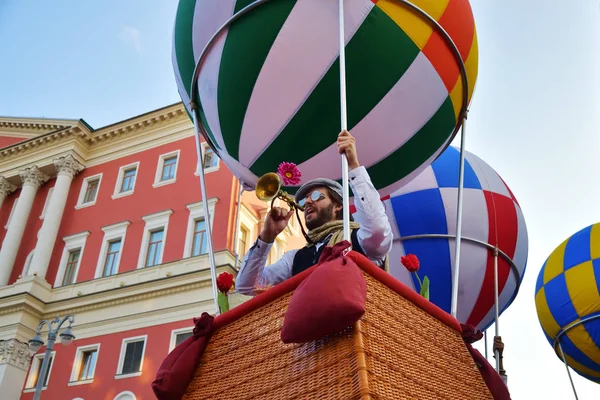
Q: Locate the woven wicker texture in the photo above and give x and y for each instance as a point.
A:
(396, 352)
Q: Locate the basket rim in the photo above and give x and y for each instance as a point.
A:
(364, 264)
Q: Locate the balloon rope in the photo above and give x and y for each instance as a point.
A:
(459, 210)
(568, 371)
(237, 226)
(496, 325)
(344, 122)
(209, 242)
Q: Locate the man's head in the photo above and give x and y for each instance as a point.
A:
(322, 201)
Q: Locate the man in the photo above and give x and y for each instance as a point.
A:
(323, 214)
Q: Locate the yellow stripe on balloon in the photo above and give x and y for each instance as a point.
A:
(412, 23)
(595, 241)
(555, 264)
(546, 318)
(581, 339)
(578, 367)
(583, 289)
(471, 66)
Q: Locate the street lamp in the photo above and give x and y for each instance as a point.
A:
(36, 343)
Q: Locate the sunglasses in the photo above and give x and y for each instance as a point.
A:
(314, 197)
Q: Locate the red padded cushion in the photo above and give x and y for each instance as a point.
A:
(177, 369)
(329, 300)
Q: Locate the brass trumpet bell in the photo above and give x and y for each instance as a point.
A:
(268, 188)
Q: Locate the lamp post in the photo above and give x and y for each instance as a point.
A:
(36, 343)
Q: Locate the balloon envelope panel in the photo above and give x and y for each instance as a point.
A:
(491, 214)
(566, 293)
(269, 87)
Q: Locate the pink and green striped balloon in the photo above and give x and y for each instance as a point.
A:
(269, 87)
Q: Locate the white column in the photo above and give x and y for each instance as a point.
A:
(14, 363)
(6, 188)
(67, 168)
(32, 179)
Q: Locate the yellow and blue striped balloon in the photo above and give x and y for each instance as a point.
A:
(567, 295)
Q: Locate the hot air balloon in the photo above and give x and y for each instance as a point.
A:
(568, 302)
(269, 84)
(423, 217)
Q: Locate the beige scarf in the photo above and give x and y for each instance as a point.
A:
(336, 230)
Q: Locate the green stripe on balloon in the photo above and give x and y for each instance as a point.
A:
(184, 52)
(246, 48)
(377, 56)
(416, 150)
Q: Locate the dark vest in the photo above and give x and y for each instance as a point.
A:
(306, 257)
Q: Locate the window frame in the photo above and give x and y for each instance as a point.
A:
(121, 177)
(250, 223)
(208, 170)
(76, 369)
(72, 242)
(124, 342)
(196, 211)
(111, 232)
(36, 362)
(83, 190)
(158, 182)
(176, 332)
(154, 222)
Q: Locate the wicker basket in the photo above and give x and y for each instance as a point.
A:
(396, 351)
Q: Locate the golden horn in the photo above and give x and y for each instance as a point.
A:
(268, 188)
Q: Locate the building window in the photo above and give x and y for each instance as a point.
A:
(154, 239)
(72, 264)
(155, 248)
(125, 396)
(48, 197)
(132, 357)
(84, 366)
(166, 170)
(89, 191)
(169, 166)
(196, 240)
(126, 180)
(210, 158)
(36, 370)
(12, 211)
(70, 260)
(243, 242)
(200, 239)
(178, 336)
(111, 264)
(112, 247)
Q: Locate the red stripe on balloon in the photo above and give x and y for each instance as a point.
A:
(510, 191)
(502, 218)
(458, 22)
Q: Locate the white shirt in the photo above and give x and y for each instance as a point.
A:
(374, 236)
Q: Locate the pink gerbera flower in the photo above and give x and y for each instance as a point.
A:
(289, 173)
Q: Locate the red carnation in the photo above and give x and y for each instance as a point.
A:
(224, 282)
(411, 262)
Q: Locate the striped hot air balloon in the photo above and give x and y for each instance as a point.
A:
(491, 215)
(269, 87)
(567, 300)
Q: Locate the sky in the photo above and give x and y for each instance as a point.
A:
(535, 117)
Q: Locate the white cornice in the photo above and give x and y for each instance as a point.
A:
(137, 134)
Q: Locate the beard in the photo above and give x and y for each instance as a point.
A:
(323, 216)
